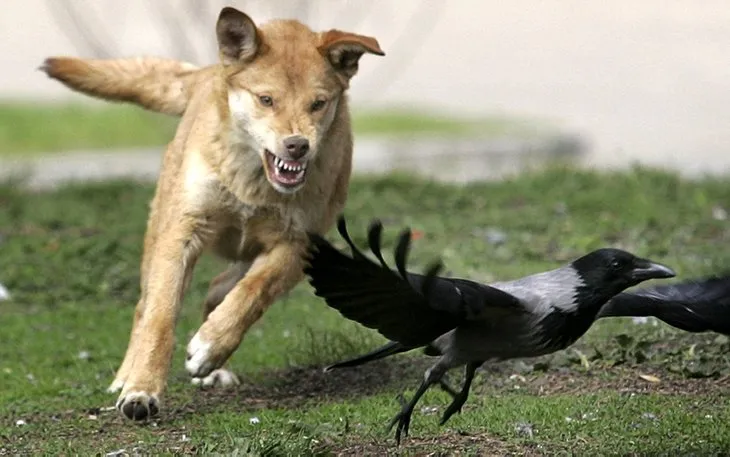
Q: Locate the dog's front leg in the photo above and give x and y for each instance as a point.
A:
(272, 274)
(170, 268)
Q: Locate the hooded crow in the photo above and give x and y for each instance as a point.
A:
(461, 321)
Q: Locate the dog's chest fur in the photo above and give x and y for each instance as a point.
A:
(241, 210)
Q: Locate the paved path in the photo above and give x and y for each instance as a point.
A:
(442, 159)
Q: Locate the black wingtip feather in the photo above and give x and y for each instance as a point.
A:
(401, 251)
(374, 236)
(342, 229)
(430, 277)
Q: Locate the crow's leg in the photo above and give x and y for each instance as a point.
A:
(403, 418)
(460, 398)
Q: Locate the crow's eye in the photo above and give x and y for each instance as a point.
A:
(318, 105)
(616, 264)
(266, 100)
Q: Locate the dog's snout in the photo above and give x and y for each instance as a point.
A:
(296, 146)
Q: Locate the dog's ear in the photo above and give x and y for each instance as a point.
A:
(238, 37)
(343, 50)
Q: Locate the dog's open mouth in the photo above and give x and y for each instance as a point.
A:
(286, 173)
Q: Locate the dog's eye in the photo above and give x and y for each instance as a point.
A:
(266, 100)
(318, 105)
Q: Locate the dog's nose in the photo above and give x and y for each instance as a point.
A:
(297, 146)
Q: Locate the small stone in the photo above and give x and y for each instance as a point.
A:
(20, 422)
(429, 410)
(524, 428)
(492, 235)
(254, 420)
(649, 416)
(650, 378)
(719, 213)
(84, 355)
(495, 236)
(116, 453)
(4, 293)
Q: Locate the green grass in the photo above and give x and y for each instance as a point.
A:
(41, 128)
(70, 259)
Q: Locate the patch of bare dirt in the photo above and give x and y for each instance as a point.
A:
(637, 380)
(295, 387)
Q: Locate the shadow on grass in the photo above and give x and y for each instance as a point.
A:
(298, 387)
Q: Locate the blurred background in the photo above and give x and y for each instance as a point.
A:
(491, 86)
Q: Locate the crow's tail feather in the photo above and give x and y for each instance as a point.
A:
(389, 349)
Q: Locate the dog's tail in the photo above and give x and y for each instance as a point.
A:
(161, 85)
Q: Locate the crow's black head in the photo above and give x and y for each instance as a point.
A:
(607, 272)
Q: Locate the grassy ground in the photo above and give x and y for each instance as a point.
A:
(70, 259)
(32, 128)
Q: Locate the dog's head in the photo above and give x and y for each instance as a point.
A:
(284, 85)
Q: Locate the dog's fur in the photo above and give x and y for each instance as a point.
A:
(277, 87)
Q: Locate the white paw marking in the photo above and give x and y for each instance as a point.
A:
(218, 378)
(198, 363)
(115, 386)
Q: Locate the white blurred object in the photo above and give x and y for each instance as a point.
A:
(644, 320)
(4, 293)
(719, 213)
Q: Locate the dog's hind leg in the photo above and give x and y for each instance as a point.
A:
(222, 284)
(217, 291)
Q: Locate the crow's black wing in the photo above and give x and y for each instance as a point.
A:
(693, 306)
(409, 308)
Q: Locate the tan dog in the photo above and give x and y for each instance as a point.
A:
(262, 155)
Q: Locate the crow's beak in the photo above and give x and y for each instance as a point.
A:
(646, 269)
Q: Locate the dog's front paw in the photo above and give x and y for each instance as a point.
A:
(199, 362)
(138, 406)
(218, 378)
(206, 355)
